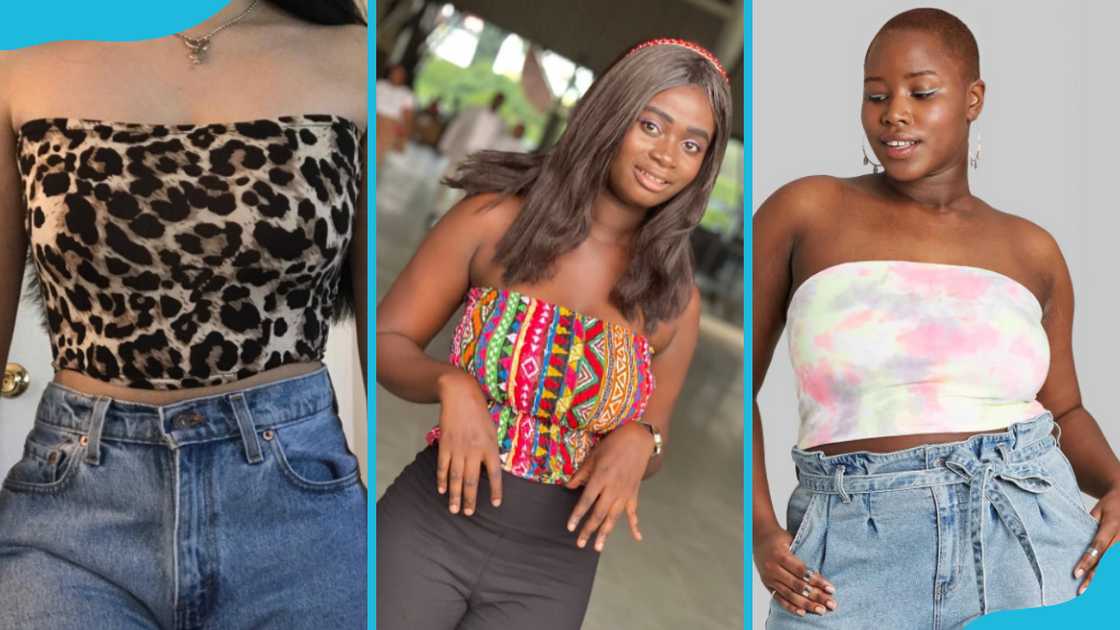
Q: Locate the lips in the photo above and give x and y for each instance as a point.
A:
(900, 147)
(649, 181)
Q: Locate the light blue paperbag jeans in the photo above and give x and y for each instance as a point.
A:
(934, 536)
(239, 510)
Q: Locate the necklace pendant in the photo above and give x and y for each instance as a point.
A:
(196, 48)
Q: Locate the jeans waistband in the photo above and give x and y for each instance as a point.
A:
(1006, 453)
(202, 419)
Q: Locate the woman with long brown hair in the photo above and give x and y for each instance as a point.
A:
(576, 271)
(193, 209)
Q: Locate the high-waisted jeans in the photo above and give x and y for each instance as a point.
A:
(934, 536)
(238, 510)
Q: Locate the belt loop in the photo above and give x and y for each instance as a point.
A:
(838, 478)
(334, 394)
(96, 427)
(1002, 449)
(245, 427)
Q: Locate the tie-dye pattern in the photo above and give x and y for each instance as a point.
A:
(883, 348)
(556, 380)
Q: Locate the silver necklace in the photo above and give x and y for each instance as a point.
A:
(197, 46)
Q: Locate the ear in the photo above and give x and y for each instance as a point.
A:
(975, 99)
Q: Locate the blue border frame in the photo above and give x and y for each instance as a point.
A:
(27, 24)
(748, 313)
(371, 322)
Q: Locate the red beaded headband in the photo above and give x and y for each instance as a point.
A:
(694, 47)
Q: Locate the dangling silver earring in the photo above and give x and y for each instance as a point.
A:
(974, 158)
(875, 167)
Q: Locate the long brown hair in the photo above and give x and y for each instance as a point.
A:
(558, 186)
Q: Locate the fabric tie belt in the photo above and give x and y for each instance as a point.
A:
(984, 476)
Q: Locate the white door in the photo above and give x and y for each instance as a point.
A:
(31, 348)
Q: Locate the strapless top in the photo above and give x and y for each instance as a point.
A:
(556, 380)
(176, 256)
(882, 348)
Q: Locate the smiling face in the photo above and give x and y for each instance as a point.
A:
(917, 105)
(663, 149)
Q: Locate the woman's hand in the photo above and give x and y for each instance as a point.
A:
(1107, 513)
(611, 475)
(795, 587)
(468, 439)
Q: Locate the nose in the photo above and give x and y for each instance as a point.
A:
(662, 153)
(897, 112)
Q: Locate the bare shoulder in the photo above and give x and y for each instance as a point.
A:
(798, 206)
(688, 320)
(349, 45)
(24, 72)
(1034, 247)
(1034, 240)
(486, 216)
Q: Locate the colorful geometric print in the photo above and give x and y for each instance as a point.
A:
(556, 380)
(884, 347)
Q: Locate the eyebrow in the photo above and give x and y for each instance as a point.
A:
(908, 75)
(669, 119)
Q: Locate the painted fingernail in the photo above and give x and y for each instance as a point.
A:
(468, 512)
(454, 508)
(442, 490)
(496, 502)
(571, 526)
(800, 612)
(581, 543)
(830, 588)
(831, 604)
(1081, 590)
(1078, 573)
(599, 545)
(820, 610)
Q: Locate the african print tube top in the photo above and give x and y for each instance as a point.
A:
(556, 380)
(176, 256)
(883, 348)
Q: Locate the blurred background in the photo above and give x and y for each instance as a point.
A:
(454, 78)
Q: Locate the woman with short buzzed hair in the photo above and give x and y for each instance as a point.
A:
(943, 446)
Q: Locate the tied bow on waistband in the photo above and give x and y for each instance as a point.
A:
(983, 477)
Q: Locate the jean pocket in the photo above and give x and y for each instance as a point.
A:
(800, 516)
(49, 460)
(1065, 487)
(313, 454)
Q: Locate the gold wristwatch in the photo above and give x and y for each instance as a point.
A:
(656, 433)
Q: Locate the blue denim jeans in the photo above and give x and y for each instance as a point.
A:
(934, 536)
(239, 510)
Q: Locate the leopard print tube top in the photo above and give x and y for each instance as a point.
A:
(177, 256)
(556, 380)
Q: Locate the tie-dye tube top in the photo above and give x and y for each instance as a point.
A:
(556, 381)
(882, 348)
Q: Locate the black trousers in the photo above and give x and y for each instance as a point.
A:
(507, 567)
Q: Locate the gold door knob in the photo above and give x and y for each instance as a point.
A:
(16, 380)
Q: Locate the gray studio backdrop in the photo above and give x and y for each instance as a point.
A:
(1050, 137)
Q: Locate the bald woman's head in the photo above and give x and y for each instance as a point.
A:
(953, 34)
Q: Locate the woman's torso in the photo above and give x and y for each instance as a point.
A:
(560, 365)
(864, 223)
(267, 67)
